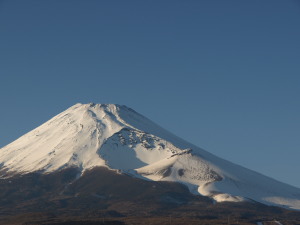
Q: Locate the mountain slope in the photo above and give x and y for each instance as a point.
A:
(90, 135)
(102, 195)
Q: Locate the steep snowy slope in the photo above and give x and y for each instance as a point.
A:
(90, 135)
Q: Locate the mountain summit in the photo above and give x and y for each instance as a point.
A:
(92, 135)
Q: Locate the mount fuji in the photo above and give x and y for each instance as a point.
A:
(87, 136)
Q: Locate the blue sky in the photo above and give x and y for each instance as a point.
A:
(224, 75)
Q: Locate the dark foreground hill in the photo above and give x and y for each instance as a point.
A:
(102, 196)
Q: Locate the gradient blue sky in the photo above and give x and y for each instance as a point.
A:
(224, 75)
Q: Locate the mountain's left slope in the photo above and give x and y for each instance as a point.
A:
(71, 138)
(86, 136)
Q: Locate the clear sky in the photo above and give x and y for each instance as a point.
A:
(224, 75)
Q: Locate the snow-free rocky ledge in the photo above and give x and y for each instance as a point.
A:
(117, 137)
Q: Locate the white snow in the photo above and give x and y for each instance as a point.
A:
(89, 135)
(71, 138)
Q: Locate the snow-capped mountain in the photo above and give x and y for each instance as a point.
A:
(90, 135)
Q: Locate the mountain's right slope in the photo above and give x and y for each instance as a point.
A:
(206, 173)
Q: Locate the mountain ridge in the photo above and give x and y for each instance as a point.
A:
(116, 137)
